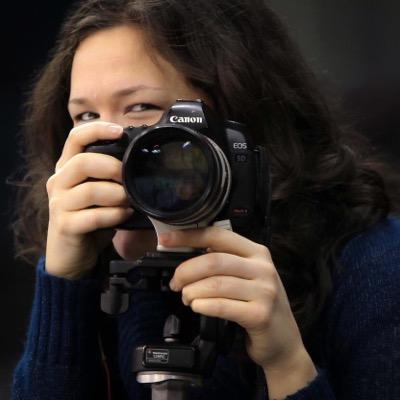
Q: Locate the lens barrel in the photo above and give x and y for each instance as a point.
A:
(176, 175)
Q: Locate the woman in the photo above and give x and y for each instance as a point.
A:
(318, 305)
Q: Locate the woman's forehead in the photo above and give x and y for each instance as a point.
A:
(119, 55)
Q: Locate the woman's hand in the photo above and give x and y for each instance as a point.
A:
(72, 243)
(237, 280)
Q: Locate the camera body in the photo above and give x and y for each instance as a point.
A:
(191, 169)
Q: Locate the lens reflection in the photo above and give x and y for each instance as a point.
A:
(170, 176)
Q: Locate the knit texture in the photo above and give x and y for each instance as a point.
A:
(358, 354)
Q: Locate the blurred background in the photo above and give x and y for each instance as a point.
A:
(352, 45)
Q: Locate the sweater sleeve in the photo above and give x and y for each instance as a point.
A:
(61, 359)
(320, 388)
(361, 329)
(363, 339)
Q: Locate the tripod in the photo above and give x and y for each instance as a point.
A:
(170, 367)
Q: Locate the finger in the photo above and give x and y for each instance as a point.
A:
(213, 264)
(249, 314)
(92, 219)
(227, 287)
(83, 135)
(87, 194)
(231, 310)
(87, 165)
(215, 238)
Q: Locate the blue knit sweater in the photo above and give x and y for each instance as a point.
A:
(358, 356)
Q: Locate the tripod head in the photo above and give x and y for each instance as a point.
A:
(173, 365)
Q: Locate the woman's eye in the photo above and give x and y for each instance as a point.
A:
(139, 107)
(86, 116)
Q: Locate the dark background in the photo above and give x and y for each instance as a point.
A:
(353, 46)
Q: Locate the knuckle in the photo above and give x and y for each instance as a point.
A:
(54, 204)
(269, 270)
(260, 314)
(50, 184)
(80, 159)
(87, 193)
(57, 166)
(74, 134)
(211, 263)
(116, 170)
(273, 277)
(96, 219)
(208, 266)
(264, 251)
(62, 223)
(79, 163)
(269, 291)
(219, 308)
(215, 284)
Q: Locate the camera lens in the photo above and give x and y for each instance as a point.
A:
(176, 175)
(170, 176)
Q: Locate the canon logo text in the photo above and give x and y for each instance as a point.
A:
(192, 120)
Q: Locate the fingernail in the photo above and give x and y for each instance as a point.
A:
(115, 129)
(172, 285)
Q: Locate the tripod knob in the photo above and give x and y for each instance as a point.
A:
(172, 329)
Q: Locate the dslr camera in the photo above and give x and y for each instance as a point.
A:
(192, 169)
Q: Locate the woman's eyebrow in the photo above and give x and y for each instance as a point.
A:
(119, 93)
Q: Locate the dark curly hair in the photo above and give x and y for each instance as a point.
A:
(324, 188)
